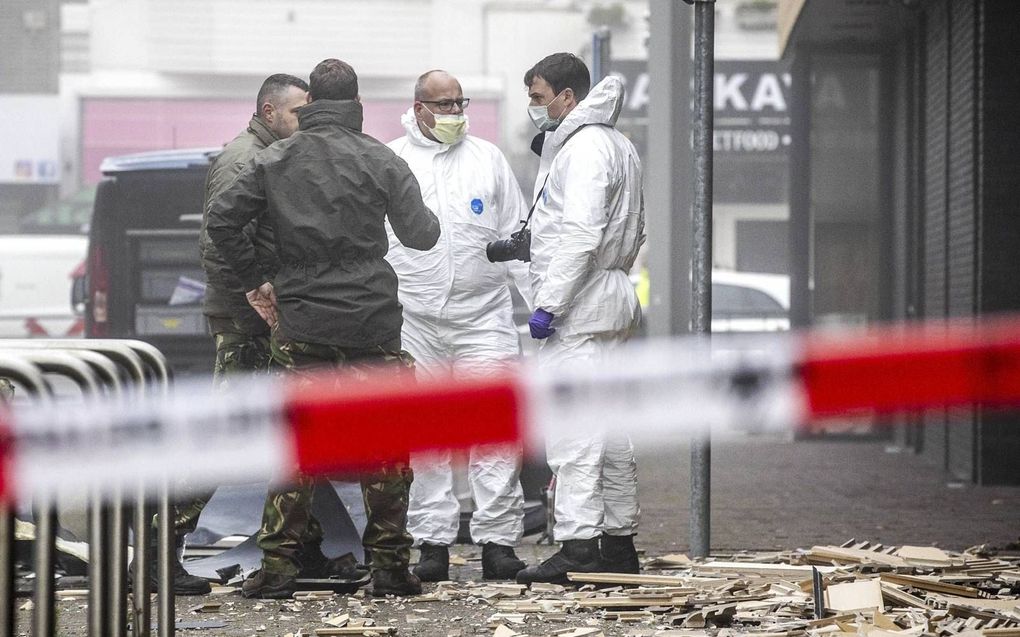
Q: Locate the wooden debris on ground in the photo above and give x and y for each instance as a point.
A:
(313, 596)
(870, 590)
(356, 630)
(206, 607)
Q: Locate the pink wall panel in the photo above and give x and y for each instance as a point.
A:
(122, 126)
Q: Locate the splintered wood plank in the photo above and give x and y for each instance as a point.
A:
(760, 568)
(657, 591)
(355, 630)
(854, 595)
(926, 555)
(624, 578)
(830, 621)
(982, 604)
(854, 556)
(928, 584)
(627, 602)
(628, 615)
(900, 597)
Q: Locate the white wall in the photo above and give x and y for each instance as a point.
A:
(734, 43)
(120, 38)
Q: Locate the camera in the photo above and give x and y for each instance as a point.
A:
(518, 246)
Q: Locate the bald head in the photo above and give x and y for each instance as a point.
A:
(434, 82)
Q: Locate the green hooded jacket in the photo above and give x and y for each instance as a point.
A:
(326, 191)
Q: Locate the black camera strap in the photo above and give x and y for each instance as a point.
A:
(532, 210)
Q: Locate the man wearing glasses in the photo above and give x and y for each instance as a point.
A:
(458, 317)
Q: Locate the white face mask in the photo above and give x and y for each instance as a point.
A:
(449, 129)
(540, 116)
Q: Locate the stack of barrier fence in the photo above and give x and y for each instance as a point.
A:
(117, 370)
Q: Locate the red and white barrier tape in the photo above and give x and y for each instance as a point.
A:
(270, 427)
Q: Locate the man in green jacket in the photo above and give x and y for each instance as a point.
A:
(242, 337)
(240, 334)
(327, 191)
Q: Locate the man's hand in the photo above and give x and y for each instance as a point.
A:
(263, 300)
(541, 324)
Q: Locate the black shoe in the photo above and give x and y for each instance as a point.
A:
(184, 582)
(399, 582)
(269, 585)
(500, 562)
(314, 565)
(619, 554)
(434, 563)
(575, 556)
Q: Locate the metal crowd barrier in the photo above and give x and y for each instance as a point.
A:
(117, 369)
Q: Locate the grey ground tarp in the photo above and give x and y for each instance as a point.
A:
(237, 510)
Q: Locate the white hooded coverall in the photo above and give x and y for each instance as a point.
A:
(586, 232)
(458, 314)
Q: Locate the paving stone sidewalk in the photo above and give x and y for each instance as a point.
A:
(769, 492)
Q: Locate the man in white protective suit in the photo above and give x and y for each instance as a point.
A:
(458, 316)
(586, 230)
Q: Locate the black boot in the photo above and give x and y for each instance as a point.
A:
(313, 564)
(397, 582)
(500, 562)
(434, 563)
(575, 556)
(619, 554)
(184, 582)
(269, 585)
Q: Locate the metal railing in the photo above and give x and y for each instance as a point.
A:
(118, 370)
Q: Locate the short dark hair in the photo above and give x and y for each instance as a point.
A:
(333, 79)
(562, 71)
(274, 86)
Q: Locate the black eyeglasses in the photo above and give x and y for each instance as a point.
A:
(447, 106)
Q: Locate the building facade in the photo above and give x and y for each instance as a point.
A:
(903, 184)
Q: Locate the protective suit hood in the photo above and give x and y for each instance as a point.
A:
(602, 106)
(417, 137)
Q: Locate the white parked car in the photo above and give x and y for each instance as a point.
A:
(36, 275)
(750, 302)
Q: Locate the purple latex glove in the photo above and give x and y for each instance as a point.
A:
(541, 324)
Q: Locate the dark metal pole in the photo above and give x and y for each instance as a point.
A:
(117, 548)
(44, 619)
(98, 614)
(7, 593)
(165, 562)
(141, 618)
(600, 54)
(701, 266)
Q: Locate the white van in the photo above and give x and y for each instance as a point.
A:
(36, 276)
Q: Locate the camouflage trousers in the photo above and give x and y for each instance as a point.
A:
(237, 352)
(386, 492)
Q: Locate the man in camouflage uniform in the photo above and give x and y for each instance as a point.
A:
(240, 334)
(327, 192)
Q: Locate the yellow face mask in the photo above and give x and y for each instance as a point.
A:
(449, 129)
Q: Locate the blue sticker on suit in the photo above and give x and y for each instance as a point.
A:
(477, 206)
